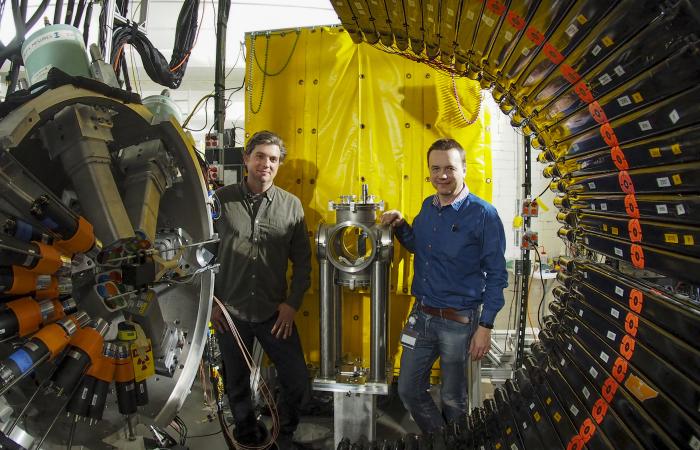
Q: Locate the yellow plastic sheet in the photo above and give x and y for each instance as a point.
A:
(352, 114)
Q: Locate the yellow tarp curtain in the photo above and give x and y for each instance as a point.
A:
(353, 114)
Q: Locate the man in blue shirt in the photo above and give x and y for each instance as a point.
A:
(459, 243)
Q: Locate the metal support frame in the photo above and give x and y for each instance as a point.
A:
(525, 258)
(114, 18)
(220, 73)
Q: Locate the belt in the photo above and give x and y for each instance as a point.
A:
(445, 313)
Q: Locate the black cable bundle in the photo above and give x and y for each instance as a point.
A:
(158, 69)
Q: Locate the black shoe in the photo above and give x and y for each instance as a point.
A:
(251, 434)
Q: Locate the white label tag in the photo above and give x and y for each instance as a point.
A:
(31, 346)
(624, 101)
(680, 209)
(408, 340)
(619, 291)
(513, 447)
(603, 206)
(562, 362)
(585, 392)
(645, 125)
(571, 30)
(532, 405)
(611, 336)
(604, 79)
(596, 50)
(43, 282)
(576, 329)
(604, 357)
(524, 426)
(619, 71)
(674, 116)
(661, 209)
(593, 206)
(591, 185)
(580, 311)
(619, 252)
(574, 410)
(569, 347)
(585, 239)
(615, 313)
(694, 443)
(663, 182)
(593, 372)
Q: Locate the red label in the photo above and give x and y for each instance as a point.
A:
(599, 410)
(625, 181)
(619, 369)
(496, 7)
(581, 89)
(515, 20)
(609, 389)
(576, 443)
(618, 158)
(608, 135)
(637, 254)
(587, 429)
(627, 347)
(636, 300)
(635, 230)
(597, 113)
(534, 35)
(631, 324)
(552, 53)
(569, 73)
(631, 206)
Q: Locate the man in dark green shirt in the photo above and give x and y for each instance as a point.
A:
(262, 228)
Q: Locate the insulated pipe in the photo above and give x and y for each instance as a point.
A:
(58, 10)
(327, 316)
(79, 13)
(378, 293)
(86, 23)
(69, 11)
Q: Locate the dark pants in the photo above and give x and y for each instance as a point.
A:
(288, 358)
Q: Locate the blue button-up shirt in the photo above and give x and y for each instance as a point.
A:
(459, 250)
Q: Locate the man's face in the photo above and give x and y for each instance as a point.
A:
(262, 163)
(446, 171)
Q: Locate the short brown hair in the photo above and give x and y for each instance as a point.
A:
(445, 144)
(265, 137)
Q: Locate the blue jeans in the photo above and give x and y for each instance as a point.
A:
(449, 340)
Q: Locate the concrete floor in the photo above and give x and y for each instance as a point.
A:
(315, 430)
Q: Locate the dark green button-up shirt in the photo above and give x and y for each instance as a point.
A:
(255, 249)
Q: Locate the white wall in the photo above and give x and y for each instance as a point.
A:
(507, 147)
